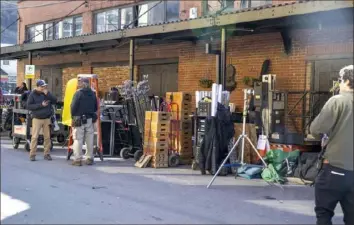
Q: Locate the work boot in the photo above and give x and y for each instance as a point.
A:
(48, 157)
(32, 157)
(89, 161)
(76, 163)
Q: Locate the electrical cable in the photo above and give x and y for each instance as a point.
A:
(56, 22)
(34, 6)
(10, 25)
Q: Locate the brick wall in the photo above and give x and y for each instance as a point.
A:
(246, 53)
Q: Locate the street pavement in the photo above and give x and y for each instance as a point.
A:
(115, 192)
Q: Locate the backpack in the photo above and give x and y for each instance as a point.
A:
(307, 166)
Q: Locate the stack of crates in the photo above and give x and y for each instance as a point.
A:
(156, 137)
(181, 125)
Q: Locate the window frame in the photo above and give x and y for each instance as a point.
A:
(7, 62)
(54, 23)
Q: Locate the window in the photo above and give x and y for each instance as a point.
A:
(254, 3)
(127, 18)
(213, 6)
(78, 26)
(5, 62)
(107, 20)
(49, 31)
(172, 10)
(68, 27)
(151, 13)
(54, 30)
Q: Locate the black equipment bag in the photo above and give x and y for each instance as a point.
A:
(307, 166)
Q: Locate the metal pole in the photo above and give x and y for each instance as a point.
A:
(29, 81)
(223, 57)
(244, 123)
(218, 69)
(131, 59)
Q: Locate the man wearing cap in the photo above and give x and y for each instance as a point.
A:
(83, 112)
(334, 183)
(40, 102)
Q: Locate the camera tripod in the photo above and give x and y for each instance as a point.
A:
(241, 138)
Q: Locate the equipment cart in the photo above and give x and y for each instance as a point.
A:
(22, 130)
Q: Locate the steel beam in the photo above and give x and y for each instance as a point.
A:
(223, 57)
(29, 81)
(131, 59)
(237, 17)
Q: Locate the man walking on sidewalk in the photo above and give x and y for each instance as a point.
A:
(83, 111)
(40, 104)
(334, 183)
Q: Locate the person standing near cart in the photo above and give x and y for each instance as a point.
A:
(40, 102)
(334, 183)
(84, 115)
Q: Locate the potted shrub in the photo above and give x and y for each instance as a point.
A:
(205, 83)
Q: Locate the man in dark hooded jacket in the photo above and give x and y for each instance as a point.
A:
(40, 102)
(83, 112)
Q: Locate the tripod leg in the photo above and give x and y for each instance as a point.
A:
(254, 148)
(223, 163)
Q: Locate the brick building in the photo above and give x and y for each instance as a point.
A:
(94, 37)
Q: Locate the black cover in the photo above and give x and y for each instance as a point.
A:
(214, 147)
(307, 166)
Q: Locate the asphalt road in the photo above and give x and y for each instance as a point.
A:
(113, 191)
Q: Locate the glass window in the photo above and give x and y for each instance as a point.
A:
(244, 4)
(151, 13)
(6, 62)
(112, 20)
(214, 6)
(256, 3)
(30, 34)
(38, 34)
(100, 24)
(127, 17)
(78, 26)
(68, 27)
(49, 31)
(58, 30)
(172, 13)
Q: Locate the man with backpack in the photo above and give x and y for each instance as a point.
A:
(334, 182)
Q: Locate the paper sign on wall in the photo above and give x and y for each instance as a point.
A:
(29, 71)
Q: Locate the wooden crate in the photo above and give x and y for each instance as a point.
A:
(152, 139)
(153, 151)
(181, 116)
(156, 145)
(186, 150)
(179, 97)
(186, 126)
(156, 127)
(158, 135)
(160, 160)
(159, 165)
(157, 116)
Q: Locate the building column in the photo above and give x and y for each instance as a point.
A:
(223, 58)
(29, 81)
(131, 59)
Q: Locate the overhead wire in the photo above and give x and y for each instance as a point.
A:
(34, 6)
(10, 25)
(56, 22)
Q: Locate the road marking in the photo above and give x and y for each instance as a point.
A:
(11, 206)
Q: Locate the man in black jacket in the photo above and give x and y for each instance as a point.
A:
(40, 102)
(83, 112)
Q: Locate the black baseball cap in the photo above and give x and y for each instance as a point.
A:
(41, 83)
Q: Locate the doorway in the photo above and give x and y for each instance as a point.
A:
(53, 77)
(162, 78)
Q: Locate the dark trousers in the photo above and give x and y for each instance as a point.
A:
(334, 185)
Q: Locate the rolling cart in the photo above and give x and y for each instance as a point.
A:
(22, 131)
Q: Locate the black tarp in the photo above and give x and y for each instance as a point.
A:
(214, 147)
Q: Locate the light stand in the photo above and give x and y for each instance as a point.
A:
(242, 138)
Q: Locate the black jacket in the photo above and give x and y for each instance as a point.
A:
(84, 103)
(34, 104)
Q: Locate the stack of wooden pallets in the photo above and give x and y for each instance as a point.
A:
(181, 125)
(156, 137)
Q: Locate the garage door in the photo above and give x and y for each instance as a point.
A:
(162, 77)
(53, 77)
(326, 72)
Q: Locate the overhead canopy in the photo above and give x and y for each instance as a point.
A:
(273, 17)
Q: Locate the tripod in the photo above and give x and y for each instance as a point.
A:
(241, 138)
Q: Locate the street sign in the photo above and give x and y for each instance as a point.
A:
(29, 71)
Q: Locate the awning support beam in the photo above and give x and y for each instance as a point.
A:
(131, 59)
(29, 81)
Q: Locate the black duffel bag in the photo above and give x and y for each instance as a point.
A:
(307, 166)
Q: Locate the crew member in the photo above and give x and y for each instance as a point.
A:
(40, 102)
(21, 89)
(335, 180)
(83, 112)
